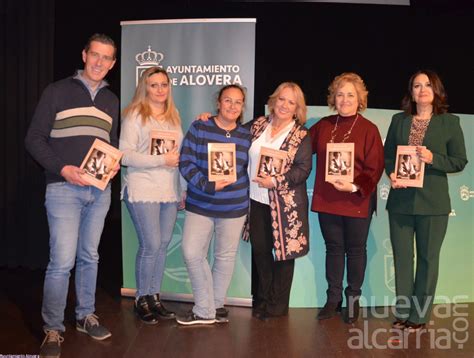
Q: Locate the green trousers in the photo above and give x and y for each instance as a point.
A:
(416, 291)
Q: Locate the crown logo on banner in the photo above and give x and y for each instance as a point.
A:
(384, 190)
(146, 59)
(149, 57)
(464, 192)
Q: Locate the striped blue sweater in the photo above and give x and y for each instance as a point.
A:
(202, 199)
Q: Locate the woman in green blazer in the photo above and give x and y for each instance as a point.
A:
(421, 212)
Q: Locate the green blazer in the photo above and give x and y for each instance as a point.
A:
(444, 138)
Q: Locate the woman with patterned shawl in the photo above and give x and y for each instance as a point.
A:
(278, 222)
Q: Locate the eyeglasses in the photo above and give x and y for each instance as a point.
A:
(228, 101)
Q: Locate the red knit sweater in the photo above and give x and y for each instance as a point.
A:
(368, 165)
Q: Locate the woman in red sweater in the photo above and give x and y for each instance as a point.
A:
(345, 207)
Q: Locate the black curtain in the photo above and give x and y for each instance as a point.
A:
(26, 67)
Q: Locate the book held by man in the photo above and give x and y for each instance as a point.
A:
(99, 162)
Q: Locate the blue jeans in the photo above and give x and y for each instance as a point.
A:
(76, 218)
(154, 224)
(210, 288)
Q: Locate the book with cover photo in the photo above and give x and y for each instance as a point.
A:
(221, 161)
(271, 162)
(99, 162)
(162, 142)
(339, 162)
(409, 168)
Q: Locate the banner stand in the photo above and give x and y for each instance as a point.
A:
(200, 56)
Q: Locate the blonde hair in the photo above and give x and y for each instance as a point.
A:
(300, 102)
(141, 106)
(341, 80)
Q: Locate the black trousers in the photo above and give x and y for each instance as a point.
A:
(346, 242)
(271, 280)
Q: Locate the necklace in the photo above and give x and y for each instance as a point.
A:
(221, 126)
(347, 134)
(272, 133)
(276, 129)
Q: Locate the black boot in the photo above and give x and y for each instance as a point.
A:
(329, 310)
(143, 311)
(157, 307)
(353, 308)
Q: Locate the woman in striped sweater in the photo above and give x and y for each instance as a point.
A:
(216, 208)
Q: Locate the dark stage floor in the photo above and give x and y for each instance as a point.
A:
(298, 335)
